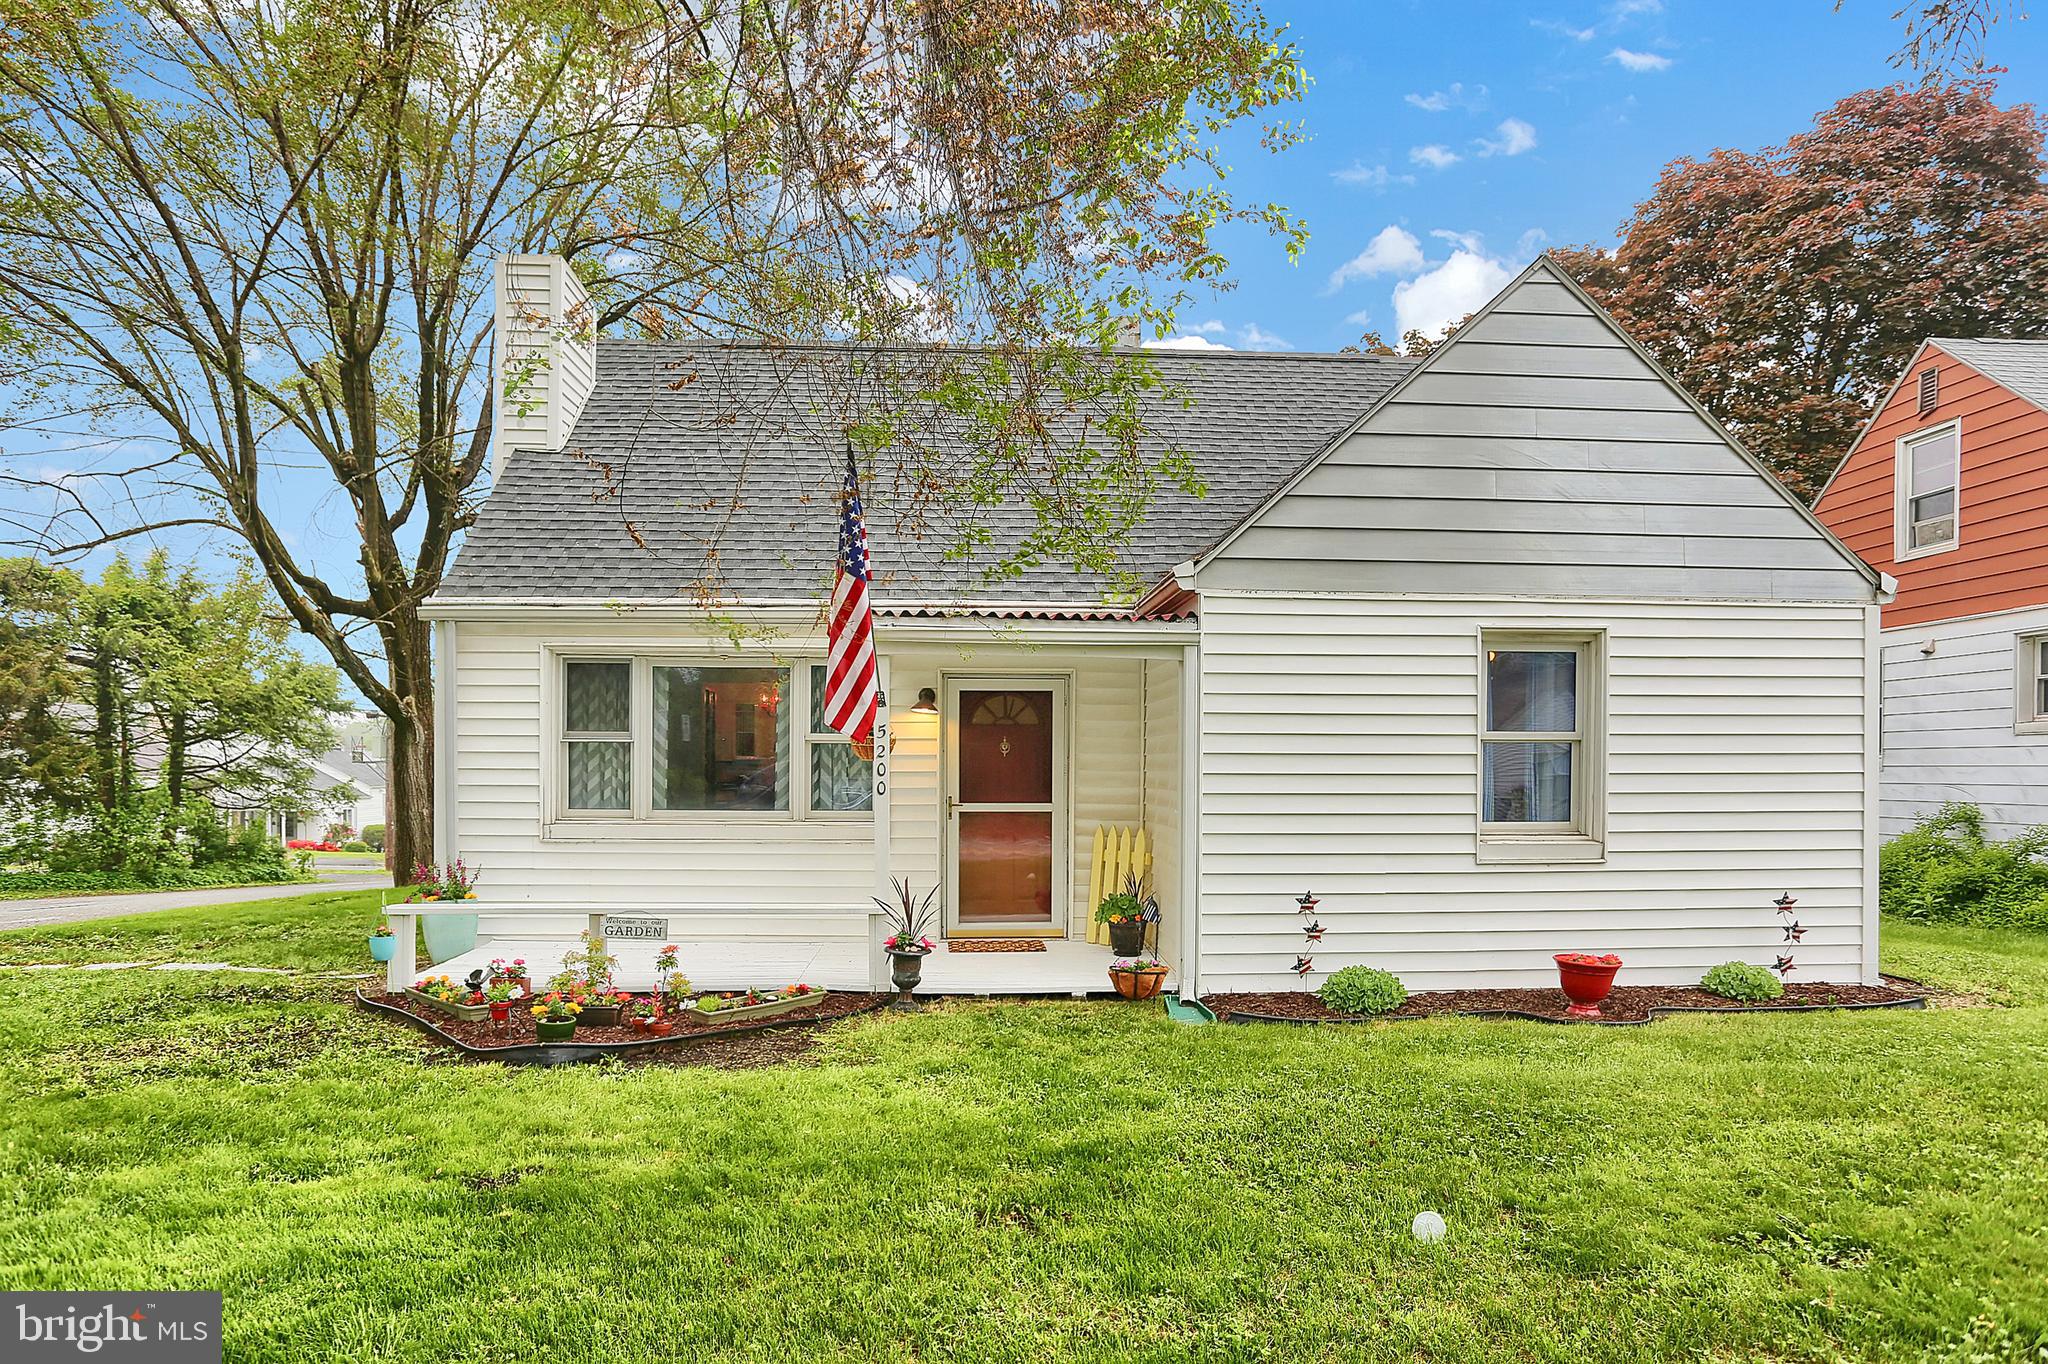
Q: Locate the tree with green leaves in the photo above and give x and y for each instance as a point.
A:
(144, 704)
(1787, 287)
(262, 236)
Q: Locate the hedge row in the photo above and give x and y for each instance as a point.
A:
(1944, 870)
(169, 878)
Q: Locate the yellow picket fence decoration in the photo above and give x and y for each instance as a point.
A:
(1120, 853)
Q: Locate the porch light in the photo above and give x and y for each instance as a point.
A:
(927, 702)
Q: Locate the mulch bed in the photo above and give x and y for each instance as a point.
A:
(1628, 1003)
(704, 1041)
(995, 944)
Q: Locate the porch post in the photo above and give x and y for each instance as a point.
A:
(1191, 821)
(878, 961)
(400, 971)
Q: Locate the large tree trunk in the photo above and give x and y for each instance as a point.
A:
(409, 833)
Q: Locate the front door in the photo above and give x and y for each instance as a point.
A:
(1007, 869)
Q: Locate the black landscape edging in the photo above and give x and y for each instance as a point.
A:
(1913, 1002)
(573, 1053)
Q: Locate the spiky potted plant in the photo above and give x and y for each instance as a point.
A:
(909, 919)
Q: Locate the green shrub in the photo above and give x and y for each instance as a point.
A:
(1363, 990)
(17, 883)
(1740, 980)
(355, 845)
(1944, 870)
(373, 834)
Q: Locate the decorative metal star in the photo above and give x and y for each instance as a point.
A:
(1794, 932)
(1784, 966)
(1306, 902)
(1785, 902)
(1304, 965)
(1314, 931)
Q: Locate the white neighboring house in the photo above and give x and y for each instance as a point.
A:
(1947, 489)
(1505, 652)
(349, 783)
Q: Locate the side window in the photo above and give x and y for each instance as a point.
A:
(597, 733)
(1927, 491)
(2030, 692)
(1542, 727)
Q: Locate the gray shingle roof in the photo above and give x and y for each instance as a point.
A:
(638, 505)
(2021, 365)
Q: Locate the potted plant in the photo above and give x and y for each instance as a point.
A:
(459, 1001)
(640, 1014)
(665, 974)
(554, 1018)
(1124, 912)
(1138, 978)
(753, 1003)
(383, 943)
(602, 1009)
(1586, 980)
(499, 998)
(512, 974)
(448, 935)
(908, 920)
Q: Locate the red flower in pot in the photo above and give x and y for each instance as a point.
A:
(1587, 979)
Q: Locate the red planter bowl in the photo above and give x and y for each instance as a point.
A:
(1585, 983)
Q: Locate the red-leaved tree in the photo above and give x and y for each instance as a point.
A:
(1787, 287)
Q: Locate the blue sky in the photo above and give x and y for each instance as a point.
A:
(1451, 142)
(1448, 144)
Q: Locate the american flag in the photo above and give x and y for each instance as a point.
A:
(850, 690)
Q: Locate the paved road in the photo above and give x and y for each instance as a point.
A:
(65, 909)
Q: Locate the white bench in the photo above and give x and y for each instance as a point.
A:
(805, 922)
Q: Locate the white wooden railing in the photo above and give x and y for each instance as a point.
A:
(686, 924)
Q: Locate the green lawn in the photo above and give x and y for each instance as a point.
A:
(1004, 1182)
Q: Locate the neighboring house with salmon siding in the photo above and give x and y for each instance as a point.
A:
(1946, 489)
(1504, 652)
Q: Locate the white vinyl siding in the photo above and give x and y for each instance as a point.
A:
(743, 862)
(1339, 758)
(1956, 724)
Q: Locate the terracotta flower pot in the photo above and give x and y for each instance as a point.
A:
(1585, 983)
(1138, 984)
(660, 1027)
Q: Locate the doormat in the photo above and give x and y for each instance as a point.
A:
(995, 944)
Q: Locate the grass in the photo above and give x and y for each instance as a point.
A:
(1025, 1182)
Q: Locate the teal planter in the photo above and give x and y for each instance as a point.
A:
(384, 947)
(448, 935)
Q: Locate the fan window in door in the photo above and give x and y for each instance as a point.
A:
(1006, 807)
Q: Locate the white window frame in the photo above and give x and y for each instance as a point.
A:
(808, 737)
(1583, 837)
(564, 736)
(1902, 492)
(641, 817)
(2030, 669)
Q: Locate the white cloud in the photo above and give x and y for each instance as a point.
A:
(1448, 292)
(1564, 30)
(1623, 9)
(1639, 61)
(1530, 242)
(1186, 343)
(1210, 328)
(1361, 318)
(1514, 138)
(1375, 176)
(1455, 97)
(1395, 251)
(1471, 241)
(1436, 156)
(1258, 338)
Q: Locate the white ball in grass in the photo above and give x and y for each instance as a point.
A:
(1428, 1227)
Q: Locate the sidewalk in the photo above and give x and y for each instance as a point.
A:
(66, 909)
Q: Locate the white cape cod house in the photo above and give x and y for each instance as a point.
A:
(1505, 652)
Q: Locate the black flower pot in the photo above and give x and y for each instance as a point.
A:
(905, 970)
(1127, 939)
